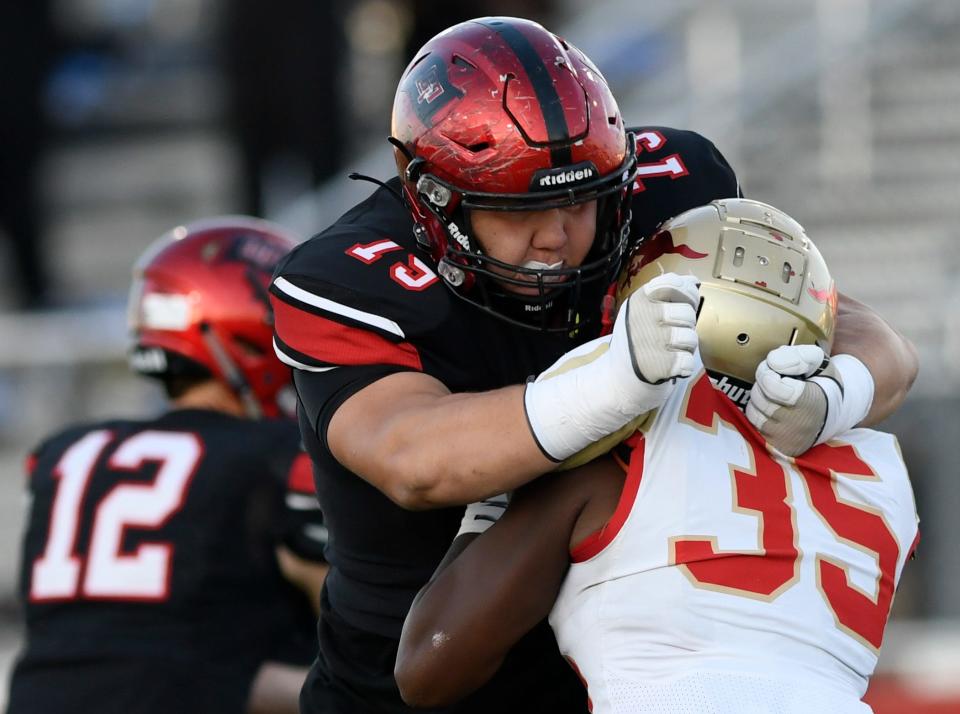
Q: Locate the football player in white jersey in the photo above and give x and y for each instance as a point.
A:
(695, 568)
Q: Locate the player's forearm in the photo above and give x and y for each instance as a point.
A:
(428, 649)
(482, 600)
(307, 575)
(435, 449)
(891, 358)
(276, 689)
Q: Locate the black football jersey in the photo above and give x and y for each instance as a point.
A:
(676, 170)
(361, 300)
(151, 544)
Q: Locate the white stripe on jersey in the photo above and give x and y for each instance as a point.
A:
(291, 362)
(317, 533)
(368, 318)
(302, 502)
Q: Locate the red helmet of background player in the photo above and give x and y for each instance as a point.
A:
(199, 307)
(500, 114)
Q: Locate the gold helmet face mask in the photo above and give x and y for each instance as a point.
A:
(763, 284)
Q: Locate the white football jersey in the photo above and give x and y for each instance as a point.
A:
(732, 578)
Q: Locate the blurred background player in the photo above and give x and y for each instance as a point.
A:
(708, 572)
(415, 320)
(166, 560)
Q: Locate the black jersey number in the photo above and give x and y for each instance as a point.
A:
(106, 572)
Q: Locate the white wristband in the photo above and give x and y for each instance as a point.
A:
(482, 514)
(849, 396)
(589, 393)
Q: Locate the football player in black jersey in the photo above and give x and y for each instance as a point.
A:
(170, 562)
(414, 321)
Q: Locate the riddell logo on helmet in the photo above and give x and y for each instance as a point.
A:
(566, 177)
(458, 236)
(570, 175)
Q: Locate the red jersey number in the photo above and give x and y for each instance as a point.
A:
(763, 492)
(413, 275)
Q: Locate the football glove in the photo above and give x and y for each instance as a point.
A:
(601, 386)
(660, 321)
(802, 398)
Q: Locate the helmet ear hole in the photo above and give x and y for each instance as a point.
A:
(743, 338)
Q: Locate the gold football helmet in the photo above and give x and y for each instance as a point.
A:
(763, 282)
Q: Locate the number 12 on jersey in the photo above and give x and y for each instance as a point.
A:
(105, 573)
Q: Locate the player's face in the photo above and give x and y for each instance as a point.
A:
(558, 238)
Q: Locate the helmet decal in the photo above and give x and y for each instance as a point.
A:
(431, 88)
(546, 179)
(252, 250)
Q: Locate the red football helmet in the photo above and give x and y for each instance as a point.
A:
(199, 306)
(500, 114)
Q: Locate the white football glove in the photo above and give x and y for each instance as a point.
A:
(801, 398)
(597, 388)
(480, 515)
(660, 320)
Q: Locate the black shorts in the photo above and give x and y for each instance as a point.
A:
(353, 674)
(124, 687)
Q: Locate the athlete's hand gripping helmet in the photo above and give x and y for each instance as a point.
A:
(763, 284)
(499, 114)
(199, 306)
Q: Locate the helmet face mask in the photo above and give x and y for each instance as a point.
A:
(763, 284)
(469, 138)
(545, 298)
(198, 308)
